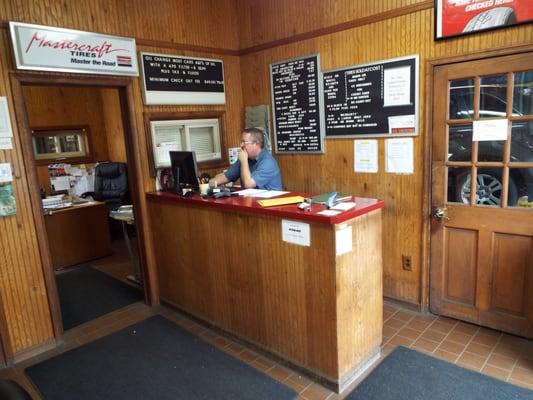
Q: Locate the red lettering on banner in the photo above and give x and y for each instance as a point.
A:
(100, 50)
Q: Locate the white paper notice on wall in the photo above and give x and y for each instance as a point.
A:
(493, 129)
(396, 86)
(343, 240)
(295, 232)
(5, 122)
(366, 156)
(402, 124)
(6, 143)
(233, 154)
(5, 173)
(399, 156)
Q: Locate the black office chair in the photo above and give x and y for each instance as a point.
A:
(111, 184)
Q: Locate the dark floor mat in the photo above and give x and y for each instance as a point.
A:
(86, 294)
(153, 359)
(409, 375)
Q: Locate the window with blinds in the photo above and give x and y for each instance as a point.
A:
(199, 135)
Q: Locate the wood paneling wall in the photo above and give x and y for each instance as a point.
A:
(404, 216)
(26, 315)
(208, 23)
(114, 130)
(52, 106)
(263, 21)
(25, 318)
(225, 26)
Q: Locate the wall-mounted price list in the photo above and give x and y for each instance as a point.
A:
(296, 105)
(173, 79)
(372, 100)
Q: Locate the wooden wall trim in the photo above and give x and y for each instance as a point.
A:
(164, 44)
(478, 55)
(397, 12)
(187, 47)
(69, 79)
(3, 337)
(35, 201)
(133, 154)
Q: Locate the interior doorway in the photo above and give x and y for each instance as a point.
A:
(481, 250)
(48, 106)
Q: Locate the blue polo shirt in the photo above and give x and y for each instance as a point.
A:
(264, 169)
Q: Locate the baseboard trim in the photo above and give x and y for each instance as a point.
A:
(33, 351)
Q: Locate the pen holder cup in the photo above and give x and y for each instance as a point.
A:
(204, 188)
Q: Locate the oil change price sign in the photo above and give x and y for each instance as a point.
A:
(172, 79)
(297, 105)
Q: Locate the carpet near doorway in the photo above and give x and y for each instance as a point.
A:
(153, 359)
(86, 294)
(409, 375)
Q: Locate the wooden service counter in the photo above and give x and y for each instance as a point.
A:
(224, 261)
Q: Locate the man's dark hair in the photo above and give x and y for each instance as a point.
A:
(257, 135)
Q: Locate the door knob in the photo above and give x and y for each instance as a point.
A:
(440, 213)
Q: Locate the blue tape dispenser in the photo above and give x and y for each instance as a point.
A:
(332, 200)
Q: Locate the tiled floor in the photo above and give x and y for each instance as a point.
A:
(500, 355)
(505, 357)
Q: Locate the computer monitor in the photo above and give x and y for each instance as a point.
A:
(184, 169)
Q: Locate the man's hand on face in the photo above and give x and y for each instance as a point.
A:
(243, 155)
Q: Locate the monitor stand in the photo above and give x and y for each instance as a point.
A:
(177, 184)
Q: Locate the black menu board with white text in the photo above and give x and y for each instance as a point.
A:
(296, 105)
(372, 100)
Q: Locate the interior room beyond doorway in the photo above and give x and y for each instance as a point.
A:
(79, 148)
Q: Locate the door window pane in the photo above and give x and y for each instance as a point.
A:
(458, 185)
(520, 187)
(491, 150)
(461, 99)
(523, 93)
(522, 141)
(493, 94)
(489, 186)
(460, 143)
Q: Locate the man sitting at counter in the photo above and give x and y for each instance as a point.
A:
(255, 166)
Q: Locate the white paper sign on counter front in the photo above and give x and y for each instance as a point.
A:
(296, 232)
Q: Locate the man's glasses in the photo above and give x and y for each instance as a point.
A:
(247, 142)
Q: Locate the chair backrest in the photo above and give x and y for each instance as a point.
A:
(111, 183)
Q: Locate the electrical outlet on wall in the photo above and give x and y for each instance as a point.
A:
(407, 263)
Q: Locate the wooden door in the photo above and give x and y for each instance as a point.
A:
(482, 193)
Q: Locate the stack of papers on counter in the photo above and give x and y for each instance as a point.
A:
(261, 193)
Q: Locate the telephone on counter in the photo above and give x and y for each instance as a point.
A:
(219, 192)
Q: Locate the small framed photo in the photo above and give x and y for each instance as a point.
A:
(460, 17)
